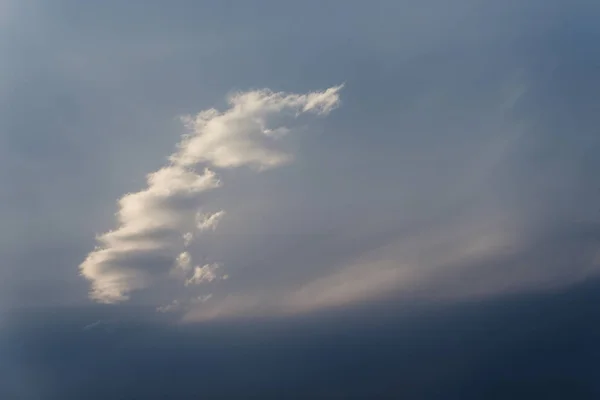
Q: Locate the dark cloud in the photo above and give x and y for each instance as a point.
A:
(519, 347)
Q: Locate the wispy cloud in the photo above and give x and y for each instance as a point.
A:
(156, 224)
(410, 263)
(175, 305)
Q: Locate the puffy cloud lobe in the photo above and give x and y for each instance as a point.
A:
(187, 238)
(147, 242)
(209, 221)
(157, 223)
(242, 135)
(206, 273)
(183, 261)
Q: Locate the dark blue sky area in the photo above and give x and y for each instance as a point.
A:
(538, 346)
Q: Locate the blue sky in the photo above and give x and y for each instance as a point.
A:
(392, 151)
(463, 128)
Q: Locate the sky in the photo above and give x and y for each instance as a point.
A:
(237, 181)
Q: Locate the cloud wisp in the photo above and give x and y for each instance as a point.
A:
(156, 224)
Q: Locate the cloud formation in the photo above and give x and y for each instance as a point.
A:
(205, 273)
(156, 224)
(410, 263)
(243, 135)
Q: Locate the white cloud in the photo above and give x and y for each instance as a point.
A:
(183, 261)
(209, 221)
(206, 273)
(187, 238)
(149, 238)
(157, 223)
(242, 135)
